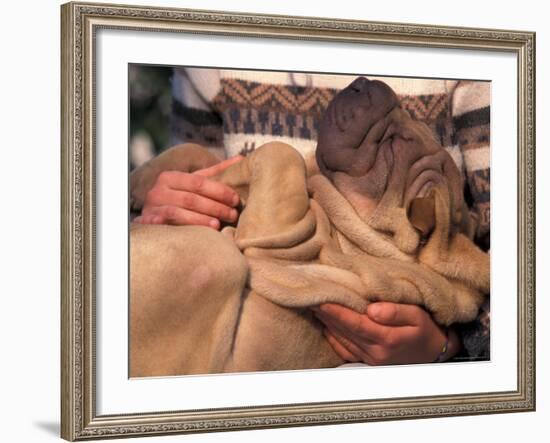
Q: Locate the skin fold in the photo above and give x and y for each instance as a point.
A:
(378, 215)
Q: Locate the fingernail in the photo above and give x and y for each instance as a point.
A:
(214, 223)
(233, 214)
(235, 200)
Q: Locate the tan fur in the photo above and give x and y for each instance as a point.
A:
(204, 301)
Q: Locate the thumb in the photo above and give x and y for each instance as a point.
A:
(394, 314)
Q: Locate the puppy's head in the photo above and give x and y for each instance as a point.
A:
(385, 162)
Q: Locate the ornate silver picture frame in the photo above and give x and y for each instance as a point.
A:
(81, 22)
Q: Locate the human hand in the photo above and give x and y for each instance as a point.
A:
(389, 333)
(181, 198)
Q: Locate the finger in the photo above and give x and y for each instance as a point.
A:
(197, 184)
(379, 344)
(343, 330)
(355, 323)
(354, 348)
(396, 314)
(177, 216)
(219, 167)
(339, 312)
(195, 203)
(340, 349)
(372, 355)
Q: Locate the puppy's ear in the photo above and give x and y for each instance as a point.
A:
(421, 214)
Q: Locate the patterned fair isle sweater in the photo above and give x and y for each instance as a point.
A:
(235, 111)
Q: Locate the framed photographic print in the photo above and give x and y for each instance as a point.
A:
(284, 221)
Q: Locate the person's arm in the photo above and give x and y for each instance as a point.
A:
(194, 119)
(471, 124)
(389, 333)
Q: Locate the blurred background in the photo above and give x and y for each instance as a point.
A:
(150, 105)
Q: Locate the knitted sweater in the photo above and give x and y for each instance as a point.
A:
(235, 111)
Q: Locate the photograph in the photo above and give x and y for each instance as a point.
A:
(276, 221)
(298, 220)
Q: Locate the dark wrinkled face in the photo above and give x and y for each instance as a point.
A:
(343, 145)
(378, 156)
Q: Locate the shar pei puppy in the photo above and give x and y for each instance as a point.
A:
(377, 215)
